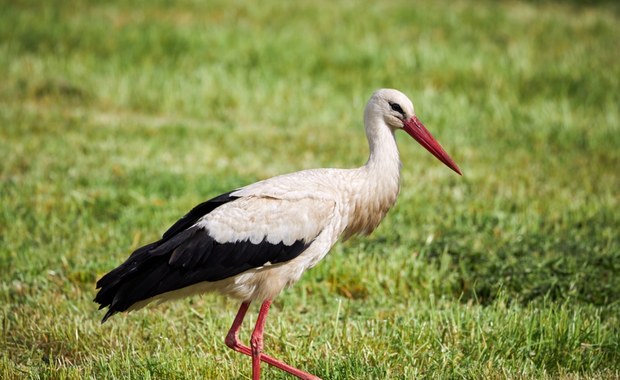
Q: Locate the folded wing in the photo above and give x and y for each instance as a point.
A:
(220, 238)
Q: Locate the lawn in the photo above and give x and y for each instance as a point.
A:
(117, 117)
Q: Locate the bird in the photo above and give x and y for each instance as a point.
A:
(252, 242)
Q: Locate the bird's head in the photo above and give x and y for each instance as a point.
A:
(396, 110)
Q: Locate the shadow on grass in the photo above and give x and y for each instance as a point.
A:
(573, 262)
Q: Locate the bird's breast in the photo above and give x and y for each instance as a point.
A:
(369, 205)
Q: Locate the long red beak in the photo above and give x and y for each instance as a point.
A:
(416, 129)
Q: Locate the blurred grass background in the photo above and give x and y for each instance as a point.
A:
(117, 117)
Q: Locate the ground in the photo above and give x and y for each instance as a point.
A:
(116, 118)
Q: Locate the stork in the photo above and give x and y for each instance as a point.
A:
(254, 241)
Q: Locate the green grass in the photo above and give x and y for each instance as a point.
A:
(117, 117)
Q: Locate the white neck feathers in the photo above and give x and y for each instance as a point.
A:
(380, 185)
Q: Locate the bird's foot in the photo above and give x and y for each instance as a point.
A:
(234, 343)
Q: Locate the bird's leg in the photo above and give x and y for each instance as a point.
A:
(232, 341)
(256, 342)
(232, 338)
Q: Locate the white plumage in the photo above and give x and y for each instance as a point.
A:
(254, 241)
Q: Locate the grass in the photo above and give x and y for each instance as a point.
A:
(118, 117)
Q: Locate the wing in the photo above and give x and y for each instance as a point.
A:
(217, 239)
(196, 213)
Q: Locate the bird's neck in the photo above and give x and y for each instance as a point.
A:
(383, 159)
(378, 188)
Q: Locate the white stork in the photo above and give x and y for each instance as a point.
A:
(254, 241)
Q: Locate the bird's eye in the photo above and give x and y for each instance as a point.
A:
(396, 107)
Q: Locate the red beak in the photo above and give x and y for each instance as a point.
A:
(416, 129)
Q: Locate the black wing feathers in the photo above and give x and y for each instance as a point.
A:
(198, 212)
(186, 255)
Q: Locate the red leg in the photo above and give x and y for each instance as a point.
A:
(232, 341)
(256, 341)
(232, 338)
